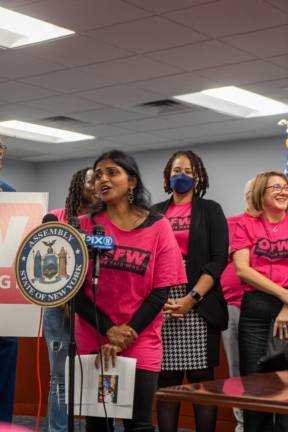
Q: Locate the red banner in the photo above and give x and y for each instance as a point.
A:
(19, 214)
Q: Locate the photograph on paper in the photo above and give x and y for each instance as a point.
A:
(108, 388)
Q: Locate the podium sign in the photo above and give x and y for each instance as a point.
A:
(20, 213)
(51, 264)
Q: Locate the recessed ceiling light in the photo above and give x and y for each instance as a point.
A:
(235, 101)
(17, 29)
(34, 132)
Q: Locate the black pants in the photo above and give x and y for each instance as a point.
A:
(145, 387)
(168, 411)
(257, 311)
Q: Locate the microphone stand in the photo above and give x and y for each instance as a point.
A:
(74, 222)
(72, 344)
(71, 356)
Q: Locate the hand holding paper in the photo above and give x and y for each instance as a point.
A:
(122, 335)
(107, 351)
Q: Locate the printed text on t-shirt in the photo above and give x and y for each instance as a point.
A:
(180, 223)
(126, 258)
(270, 249)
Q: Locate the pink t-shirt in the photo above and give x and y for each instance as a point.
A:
(141, 260)
(60, 213)
(231, 285)
(179, 216)
(268, 245)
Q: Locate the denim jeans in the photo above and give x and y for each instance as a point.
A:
(56, 331)
(8, 357)
(231, 346)
(258, 309)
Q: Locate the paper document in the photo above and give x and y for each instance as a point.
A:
(115, 388)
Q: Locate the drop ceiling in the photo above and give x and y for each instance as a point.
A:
(129, 53)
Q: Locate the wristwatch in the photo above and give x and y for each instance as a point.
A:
(195, 295)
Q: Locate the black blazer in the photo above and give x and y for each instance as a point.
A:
(207, 253)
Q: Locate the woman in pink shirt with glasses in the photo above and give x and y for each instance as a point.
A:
(260, 254)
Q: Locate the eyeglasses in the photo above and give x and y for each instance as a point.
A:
(277, 188)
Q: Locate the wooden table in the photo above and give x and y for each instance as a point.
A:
(260, 392)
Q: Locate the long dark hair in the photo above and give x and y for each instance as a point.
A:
(142, 197)
(199, 172)
(75, 193)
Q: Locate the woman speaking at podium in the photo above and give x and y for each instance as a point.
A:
(81, 196)
(133, 281)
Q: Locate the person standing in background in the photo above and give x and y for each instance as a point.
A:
(233, 292)
(8, 345)
(191, 344)
(260, 255)
(81, 197)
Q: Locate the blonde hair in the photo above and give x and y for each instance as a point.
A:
(260, 184)
(248, 188)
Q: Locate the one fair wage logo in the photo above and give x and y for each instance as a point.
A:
(9, 244)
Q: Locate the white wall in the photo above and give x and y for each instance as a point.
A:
(20, 175)
(55, 177)
(229, 165)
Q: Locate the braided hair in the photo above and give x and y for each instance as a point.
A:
(199, 172)
(74, 198)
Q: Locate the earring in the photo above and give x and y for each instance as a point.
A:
(131, 196)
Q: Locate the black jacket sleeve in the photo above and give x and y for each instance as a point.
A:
(219, 240)
(148, 310)
(88, 311)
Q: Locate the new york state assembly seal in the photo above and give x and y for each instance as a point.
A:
(51, 264)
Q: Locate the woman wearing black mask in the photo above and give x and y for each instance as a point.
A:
(196, 313)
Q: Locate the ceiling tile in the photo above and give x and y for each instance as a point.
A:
(131, 69)
(21, 112)
(137, 139)
(68, 81)
(14, 3)
(176, 84)
(109, 115)
(279, 60)
(94, 76)
(149, 34)
(248, 72)
(13, 91)
(220, 128)
(202, 116)
(105, 131)
(281, 4)
(263, 43)
(76, 51)
(85, 14)
(161, 6)
(120, 95)
(151, 124)
(64, 104)
(277, 89)
(226, 17)
(18, 64)
(201, 55)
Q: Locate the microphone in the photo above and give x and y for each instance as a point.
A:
(49, 217)
(98, 230)
(74, 222)
(98, 240)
